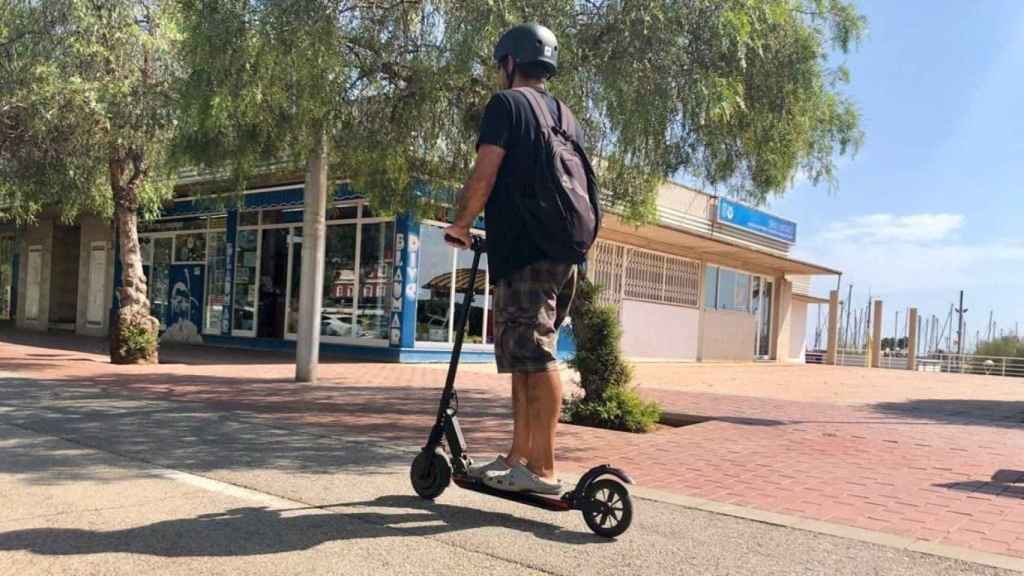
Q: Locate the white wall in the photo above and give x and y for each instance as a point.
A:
(94, 230)
(728, 336)
(659, 331)
(40, 234)
(797, 331)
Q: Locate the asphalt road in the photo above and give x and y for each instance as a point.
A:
(95, 482)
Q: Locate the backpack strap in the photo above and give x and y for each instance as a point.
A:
(540, 109)
(568, 121)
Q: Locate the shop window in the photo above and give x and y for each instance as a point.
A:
(443, 277)
(726, 289)
(190, 247)
(463, 268)
(146, 247)
(295, 242)
(249, 218)
(281, 216)
(342, 213)
(216, 283)
(160, 283)
(246, 260)
(6, 276)
(433, 306)
(336, 316)
(604, 267)
(376, 261)
(644, 275)
(710, 287)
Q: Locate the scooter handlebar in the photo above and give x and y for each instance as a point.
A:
(477, 243)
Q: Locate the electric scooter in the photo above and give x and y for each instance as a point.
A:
(601, 493)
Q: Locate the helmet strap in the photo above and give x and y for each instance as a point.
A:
(510, 75)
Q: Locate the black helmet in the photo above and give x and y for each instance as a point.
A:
(529, 44)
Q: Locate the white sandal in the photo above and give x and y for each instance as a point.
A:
(480, 470)
(520, 479)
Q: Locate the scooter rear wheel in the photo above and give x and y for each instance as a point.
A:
(431, 473)
(609, 511)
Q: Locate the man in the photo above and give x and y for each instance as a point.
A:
(532, 290)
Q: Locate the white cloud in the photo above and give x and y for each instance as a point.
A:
(921, 260)
(890, 228)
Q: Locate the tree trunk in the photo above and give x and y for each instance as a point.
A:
(307, 346)
(133, 337)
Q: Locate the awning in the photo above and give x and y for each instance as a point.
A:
(691, 245)
(443, 282)
(807, 298)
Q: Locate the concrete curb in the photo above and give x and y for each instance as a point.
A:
(830, 529)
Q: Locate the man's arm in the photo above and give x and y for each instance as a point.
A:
(476, 191)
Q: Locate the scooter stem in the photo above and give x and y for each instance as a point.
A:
(478, 246)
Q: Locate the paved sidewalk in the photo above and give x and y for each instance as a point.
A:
(932, 457)
(104, 482)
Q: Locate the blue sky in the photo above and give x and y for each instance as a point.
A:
(933, 201)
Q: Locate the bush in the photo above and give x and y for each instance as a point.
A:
(620, 408)
(1008, 346)
(136, 342)
(607, 400)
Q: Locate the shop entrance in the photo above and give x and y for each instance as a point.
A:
(761, 304)
(273, 283)
(6, 277)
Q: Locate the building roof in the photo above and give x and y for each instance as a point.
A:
(717, 249)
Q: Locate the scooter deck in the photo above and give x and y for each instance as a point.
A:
(551, 503)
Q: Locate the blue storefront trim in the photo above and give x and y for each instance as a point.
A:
(402, 346)
(354, 351)
(289, 197)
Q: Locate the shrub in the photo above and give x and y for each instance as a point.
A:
(620, 408)
(136, 342)
(607, 401)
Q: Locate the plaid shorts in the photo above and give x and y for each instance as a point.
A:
(529, 307)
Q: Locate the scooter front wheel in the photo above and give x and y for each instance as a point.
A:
(608, 511)
(431, 473)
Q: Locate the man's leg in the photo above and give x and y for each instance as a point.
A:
(520, 451)
(545, 404)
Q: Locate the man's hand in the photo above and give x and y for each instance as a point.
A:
(457, 236)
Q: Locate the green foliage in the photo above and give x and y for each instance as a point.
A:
(608, 401)
(136, 342)
(598, 334)
(85, 87)
(620, 408)
(1007, 346)
(733, 93)
(894, 344)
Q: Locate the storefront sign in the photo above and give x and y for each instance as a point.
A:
(752, 220)
(403, 286)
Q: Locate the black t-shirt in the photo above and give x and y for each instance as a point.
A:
(509, 122)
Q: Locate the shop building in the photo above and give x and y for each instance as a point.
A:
(711, 281)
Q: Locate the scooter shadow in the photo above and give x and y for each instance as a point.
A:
(457, 518)
(257, 531)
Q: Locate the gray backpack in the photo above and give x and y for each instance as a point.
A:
(564, 214)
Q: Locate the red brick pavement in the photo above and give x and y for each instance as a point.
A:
(945, 469)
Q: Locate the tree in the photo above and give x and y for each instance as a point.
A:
(1006, 346)
(86, 120)
(347, 87)
(608, 400)
(733, 93)
(388, 93)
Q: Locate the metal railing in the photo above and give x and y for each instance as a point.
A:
(974, 364)
(852, 357)
(938, 362)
